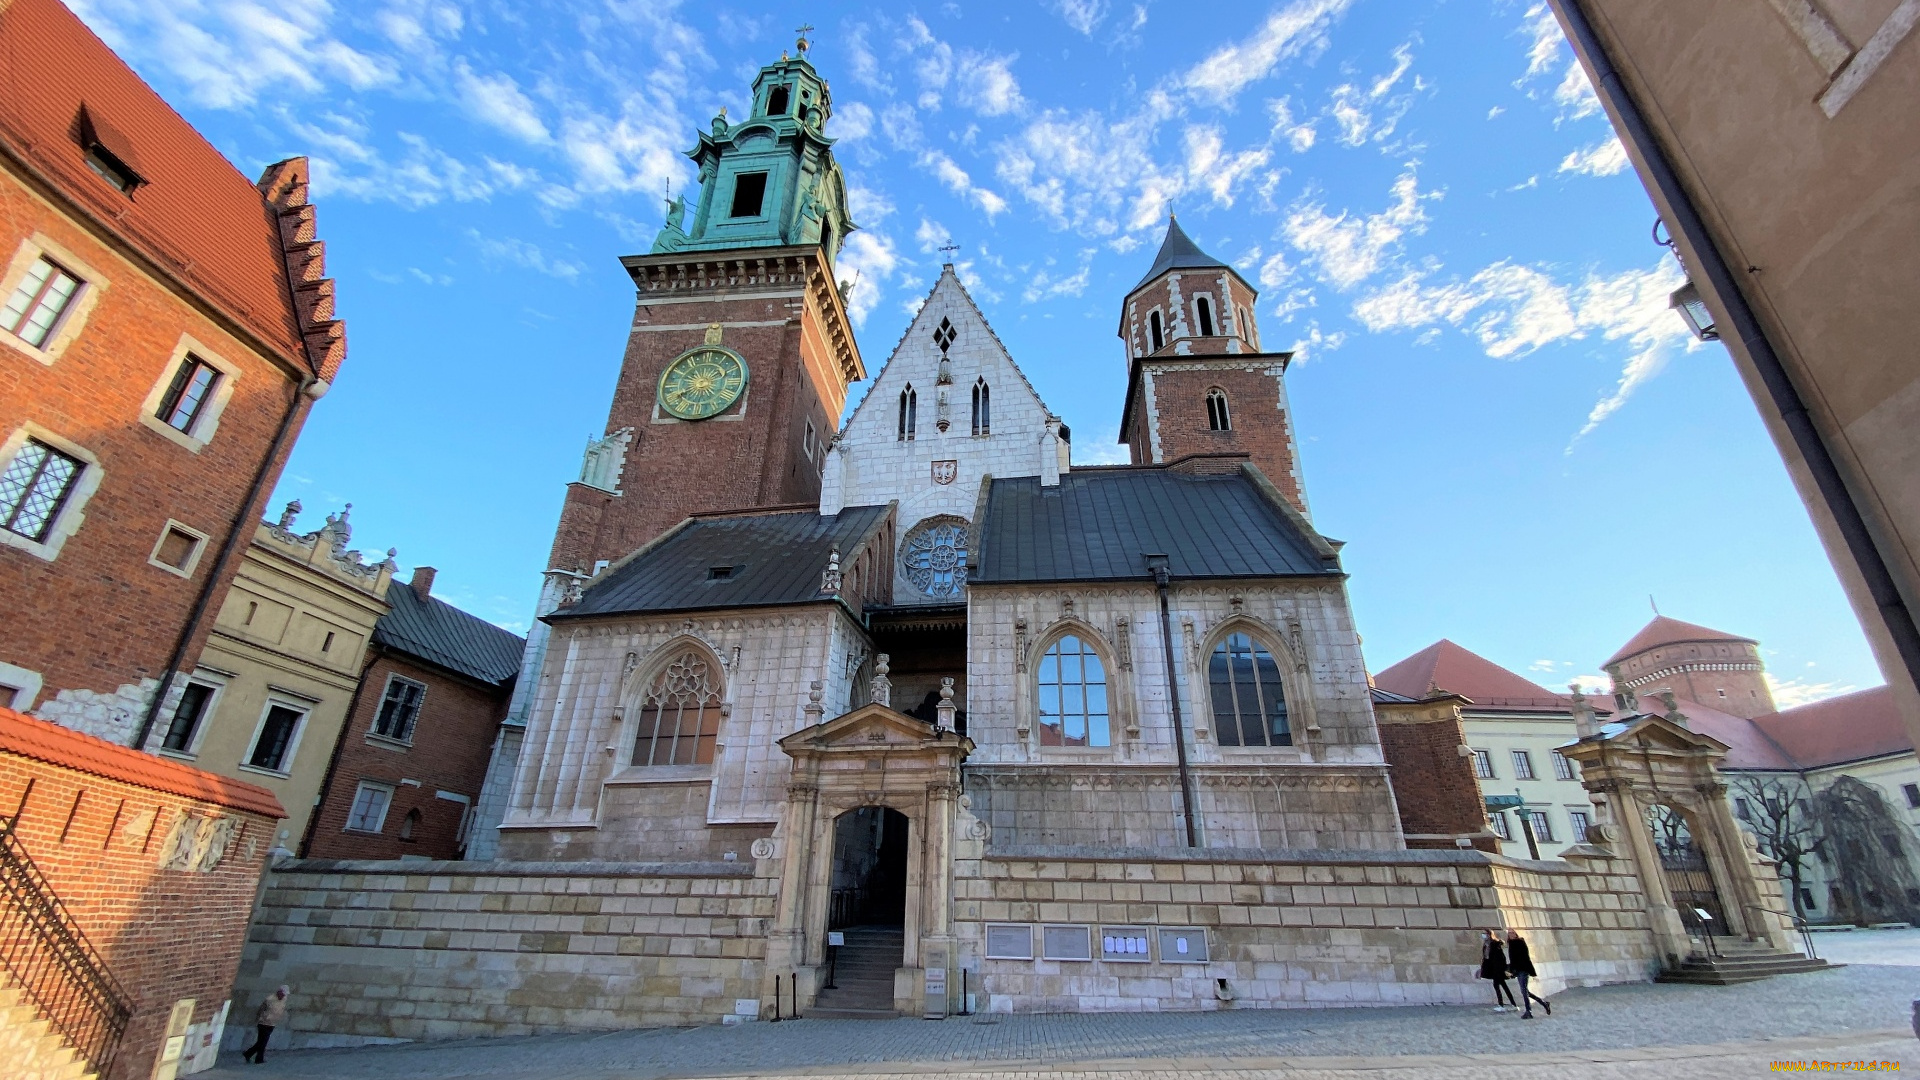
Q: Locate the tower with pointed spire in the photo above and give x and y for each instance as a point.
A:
(1197, 380)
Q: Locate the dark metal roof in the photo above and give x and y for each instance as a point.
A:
(1099, 523)
(776, 558)
(1179, 252)
(441, 634)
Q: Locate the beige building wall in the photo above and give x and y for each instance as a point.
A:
(1538, 735)
(1789, 127)
(292, 634)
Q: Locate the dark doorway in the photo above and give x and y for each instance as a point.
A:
(869, 869)
(1685, 868)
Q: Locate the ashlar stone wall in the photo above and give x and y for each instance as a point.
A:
(380, 951)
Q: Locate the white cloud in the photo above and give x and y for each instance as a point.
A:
(1789, 693)
(988, 84)
(948, 172)
(931, 236)
(522, 253)
(1347, 249)
(851, 122)
(1211, 168)
(497, 100)
(1275, 272)
(1315, 341)
(1081, 15)
(1045, 286)
(1513, 310)
(1604, 158)
(1374, 113)
(230, 52)
(1295, 28)
(982, 81)
(1298, 134)
(868, 259)
(1544, 38)
(1575, 94)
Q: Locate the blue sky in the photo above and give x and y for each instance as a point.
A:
(1499, 414)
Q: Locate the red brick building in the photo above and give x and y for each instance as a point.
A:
(413, 753)
(164, 328)
(154, 865)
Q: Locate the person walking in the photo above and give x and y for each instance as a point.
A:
(1493, 965)
(271, 1015)
(1520, 962)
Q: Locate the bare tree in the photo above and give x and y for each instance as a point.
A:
(1783, 822)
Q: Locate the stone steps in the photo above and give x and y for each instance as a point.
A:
(1740, 962)
(29, 1046)
(863, 976)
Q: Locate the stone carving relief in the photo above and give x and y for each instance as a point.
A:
(934, 556)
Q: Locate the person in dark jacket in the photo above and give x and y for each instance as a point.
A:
(1520, 962)
(1493, 965)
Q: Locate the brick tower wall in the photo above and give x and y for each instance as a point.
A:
(1262, 428)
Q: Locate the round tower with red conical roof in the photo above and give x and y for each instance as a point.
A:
(1720, 670)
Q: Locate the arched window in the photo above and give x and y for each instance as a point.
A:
(1203, 308)
(909, 406)
(1073, 695)
(1249, 705)
(680, 714)
(777, 101)
(982, 408)
(1217, 418)
(409, 823)
(1153, 329)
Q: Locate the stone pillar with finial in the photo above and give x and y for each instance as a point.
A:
(943, 712)
(1673, 712)
(830, 578)
(882, 690)
(1583, 724)
(814, 710)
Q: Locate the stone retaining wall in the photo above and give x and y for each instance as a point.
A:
(379, 951)
(1296, 928)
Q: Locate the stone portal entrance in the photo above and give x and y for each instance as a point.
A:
(865, 841)
(1688, 876)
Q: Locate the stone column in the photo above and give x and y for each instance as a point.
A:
(787, 944)
(936, 933)
(1669, 933)
(1737, 870)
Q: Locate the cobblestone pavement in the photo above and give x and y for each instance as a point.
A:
(1594, 1034)
(1869, 946)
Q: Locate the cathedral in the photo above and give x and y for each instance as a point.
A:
(911, 715)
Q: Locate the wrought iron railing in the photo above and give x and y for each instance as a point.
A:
(48, 957)
(847, 907)
(1799, 923)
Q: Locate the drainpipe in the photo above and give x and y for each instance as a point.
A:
(1847, 516)
(1157, 564)
(375, 651)
(242, 532)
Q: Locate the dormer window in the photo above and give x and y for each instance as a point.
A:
(108, 153)
(777, 101)
(749, 192)
(721, 573)
(112, 170)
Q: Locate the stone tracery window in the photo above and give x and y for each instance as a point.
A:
(1249, 704)
(934, 557)
(909, 409)
(680, 714)
(1217, 418)
(1072, 684)
(982, 407)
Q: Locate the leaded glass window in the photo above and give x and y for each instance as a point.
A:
(1073, 695)
(934, 557)
(1249, 705)
(982, 407)
(34, 487)
(909, 409)
(187, 395)
(680, 716)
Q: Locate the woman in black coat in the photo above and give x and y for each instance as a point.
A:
(1520, 963)
(1493, 965)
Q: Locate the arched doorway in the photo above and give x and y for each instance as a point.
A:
(1688, 874)
(869, 869)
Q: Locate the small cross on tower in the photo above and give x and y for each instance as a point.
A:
(948, 249)
(803, 44)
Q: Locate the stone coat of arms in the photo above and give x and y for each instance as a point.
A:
(945, 471)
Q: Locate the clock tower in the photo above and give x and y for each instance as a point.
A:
(739, 355)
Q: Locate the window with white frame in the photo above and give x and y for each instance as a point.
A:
(1522, 765)
(1498, 821)
(1578, 822)
(1072, 685)
(1249, 704)
(370, 802)
(982, 407)
(1483, 764)
(279, 728)
(1203, 309)
(38, 303)
(196, 704)
(35, 487)
(1562, 767)
(909, 414)
(1217, 418)
(399, 709)
(1912, 792)
(1542, 826)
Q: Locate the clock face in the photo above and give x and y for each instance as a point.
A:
(702, 382)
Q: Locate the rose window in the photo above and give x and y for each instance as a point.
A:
(935, 557)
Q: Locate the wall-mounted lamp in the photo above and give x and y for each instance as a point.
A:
(1686, 300)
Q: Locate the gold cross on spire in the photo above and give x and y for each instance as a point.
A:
(803, 44)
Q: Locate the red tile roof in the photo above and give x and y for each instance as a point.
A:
(1474, 677)
(1850, 727)
(1748, 747)
(1665, 631)
(196, 215)
(49, 742)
